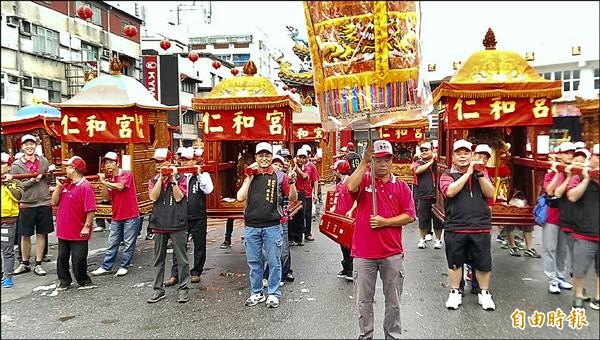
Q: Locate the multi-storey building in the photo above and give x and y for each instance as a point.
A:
(47, 50)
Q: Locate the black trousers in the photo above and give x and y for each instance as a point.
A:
(229, 229)
(296, 224)
(347, 259)
(308, 216)
(198, 229)
(77, 251)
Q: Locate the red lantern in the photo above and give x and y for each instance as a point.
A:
(193, 56)
(165, 44)
(293, 90)
(285, 87)
(235, 71)
(130, 31)
(85, 12)
(216, 64)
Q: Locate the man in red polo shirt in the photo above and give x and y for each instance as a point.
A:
(377, 241)
(76, 208)
(468, 223)
(120, 187)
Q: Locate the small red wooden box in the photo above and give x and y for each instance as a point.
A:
(338, 228)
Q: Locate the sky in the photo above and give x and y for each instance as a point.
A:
(450, 31)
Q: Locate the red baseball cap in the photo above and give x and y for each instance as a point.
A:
(77, 163)
(342, 166)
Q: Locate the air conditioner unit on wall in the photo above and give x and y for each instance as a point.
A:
(105, 53)
(13, 21)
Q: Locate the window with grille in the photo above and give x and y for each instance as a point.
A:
(45, 40)
(96, 12)
(187, 87)
(53, 87)
(89, 52)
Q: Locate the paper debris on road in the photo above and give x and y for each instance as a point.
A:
(310, 299)
(527, 279)
(37, 289)
(304, 290)
(138, 285)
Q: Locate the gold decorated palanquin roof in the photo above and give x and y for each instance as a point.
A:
(420, 123)
(247, 91)
(493, 73)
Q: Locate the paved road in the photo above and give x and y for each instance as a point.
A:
(317, 305)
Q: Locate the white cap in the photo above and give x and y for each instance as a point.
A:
(462, 144)
(425, 145)
(162, 154)
(180, 150)
(264, 146)
(110, 155)
(302, 152)
(382, 148)
(187, 153)
(556, 149)
(307, 147)
(483, 148)
(580, 145)
(5, 157)
(344, 149)
(198, 152)
(278, 158)
(28, 137)
(567, 146)
(596, 149)
(434, 143)
(584, 152)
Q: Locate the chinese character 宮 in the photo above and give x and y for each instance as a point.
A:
(418, 134)
(124, 123)
(537, 319)
(577, 318)
(318, 133)
(499, 107)
(466, 115)
(65, 123)
(240, 121)
(139, 125)
(540, 109)
(556, 319)
(94, 125)
(206, 117)
(301, 133)
(518, 319)
(275, 128)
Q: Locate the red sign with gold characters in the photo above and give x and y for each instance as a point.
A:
(307, 132)
(248, 124)
(462, 113)
(104, 126)
(392, 134)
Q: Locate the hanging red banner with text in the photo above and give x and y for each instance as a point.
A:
(150, 74)
(497, 112)
(307, 132)
(247, 124)
(104, 125)
(400, 134)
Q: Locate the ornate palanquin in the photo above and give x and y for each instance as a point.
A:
(236, 115)
(590, 119)
(497, 98)
(115, 113)
(45, 129)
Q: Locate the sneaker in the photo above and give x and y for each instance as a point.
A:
(554, 288)
(578, 303)
(521, 245)
(349, 277)
(46, 259)
(7, 282)
(292, 243)
(499, 239)
(265, 283)
(255, 299)
(272, 301)
(437, 244)
(532, 253)
(122, 272)
(62, 287)
(485, 300)
(21, 269)
(300, 243)
(183, 295)
(454, 299)
(150, 236)
(38, 270)
(100, 271)
(428, 237)
(595, 304)
(564, 284)
(225, 245)
(156, 296)
(309, 238)
(99, 229)
(281, 283)
(87, 286)
(505, 245)
(421, 244)
(289, 277)
(341, 274)
(514, 251)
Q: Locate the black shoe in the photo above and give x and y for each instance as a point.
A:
(225, 245)
(150, 236)
(46, 259)
(341, 274)
(300, 243)
(156, 296)
(514, 251)
(289, 277)
(62, 287)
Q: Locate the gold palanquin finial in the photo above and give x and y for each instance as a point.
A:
(250, 68)
(115, 66)
(490, 40)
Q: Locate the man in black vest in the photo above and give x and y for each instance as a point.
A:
(425, 188)
(262, 189)
(468, 223)
(352, 157)
(198, 186)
